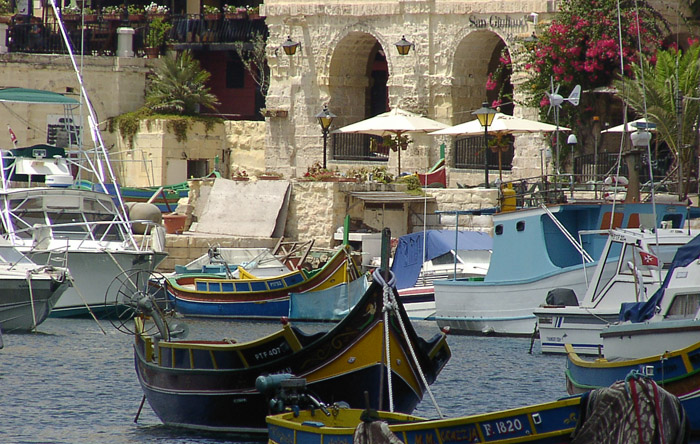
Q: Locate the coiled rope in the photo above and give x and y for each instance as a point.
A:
(391, 304)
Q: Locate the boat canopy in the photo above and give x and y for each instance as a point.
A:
(24, 95)
(409, 258)
(641, 311)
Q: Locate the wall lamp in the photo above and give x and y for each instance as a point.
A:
(403, 46)
(290, 46)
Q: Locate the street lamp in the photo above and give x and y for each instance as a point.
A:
(325, 119)
(403, 46)
(485, 114)
(572, 141)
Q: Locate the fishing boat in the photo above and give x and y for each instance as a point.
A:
(225, 261)
(677, 371)
(248, 296)
(331, 304)
(28, 291)
(595, 417)
(535, 250)
(426, 256)
(211, 384)
(632, 267)
(670, 319)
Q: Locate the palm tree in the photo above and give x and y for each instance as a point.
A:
(179, 87)
(668, 92)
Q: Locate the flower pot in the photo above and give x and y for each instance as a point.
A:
(174, 223)
(212, 17)
(234, 16)
(111, 17)
(240, 179)
(152, 53)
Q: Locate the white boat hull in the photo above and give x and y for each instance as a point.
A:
(632, 341)
(92, 271)
(499, 309)
(573, 326)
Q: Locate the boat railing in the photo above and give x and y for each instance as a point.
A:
(94, 231)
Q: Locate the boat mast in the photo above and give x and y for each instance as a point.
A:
(100, 150)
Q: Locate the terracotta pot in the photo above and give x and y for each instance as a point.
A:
(174, 223)
(152, 53)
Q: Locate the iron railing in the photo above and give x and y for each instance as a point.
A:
(469, 153)
(358, 147)
(97, 34)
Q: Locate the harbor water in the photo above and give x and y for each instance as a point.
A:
(72, 383)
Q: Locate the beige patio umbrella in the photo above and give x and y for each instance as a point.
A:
(396, 122)
(502, 124)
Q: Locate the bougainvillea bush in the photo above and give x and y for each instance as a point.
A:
(581, 45)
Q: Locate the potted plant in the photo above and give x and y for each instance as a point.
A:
(232, 12)
(6, 11)
(270, 176)
(155, 10)
(156, 36)
(211, 12)
(111, 12)
(253, 12)
(70, 13)
(136, 13)
(239, 174)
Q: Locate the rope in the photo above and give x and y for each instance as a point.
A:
(390, 302)
(385, 311)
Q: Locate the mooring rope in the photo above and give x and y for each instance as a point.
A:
(390, 303)
(31, 297)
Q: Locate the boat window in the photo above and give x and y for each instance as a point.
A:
(633, 259)
(499, 229)
(520, 226)
(612, 260)
(675, 220)
(684, 306)
(665, 253)
(444, 259)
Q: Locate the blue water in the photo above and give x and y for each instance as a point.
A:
(72, 383)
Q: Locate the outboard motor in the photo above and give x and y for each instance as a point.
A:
(562, 297)
(288, 392)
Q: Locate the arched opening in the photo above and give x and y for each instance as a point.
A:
(358, 90)
(481, 73)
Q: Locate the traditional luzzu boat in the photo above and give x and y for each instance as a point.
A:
(676, 371)
(211, 385)
(248, 296)
(535, 250)
(633, 409)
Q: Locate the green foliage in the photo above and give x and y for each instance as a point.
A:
(179, 87)
(253, 55)
(673, 71)
(6, 7)
(413, 185)
(158, 30)
(378, 174)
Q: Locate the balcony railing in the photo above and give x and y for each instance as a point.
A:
(358, 147)
(97, 34)
(469, 153)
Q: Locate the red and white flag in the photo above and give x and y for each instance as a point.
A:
(12, 136)
(649, 259)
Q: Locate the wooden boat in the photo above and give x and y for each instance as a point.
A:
(602, 416)
(210, 385)
(251, 297)
(551, 422)
(678, 372)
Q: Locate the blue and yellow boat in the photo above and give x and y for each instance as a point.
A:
(551, 423)
(211, 384)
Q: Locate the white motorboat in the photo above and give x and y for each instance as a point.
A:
(55, 223)
(669, 320)
(632, 267)
(535, 250)
(28, 291)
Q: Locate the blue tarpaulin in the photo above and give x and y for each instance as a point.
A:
(409, 258)
(641, 311)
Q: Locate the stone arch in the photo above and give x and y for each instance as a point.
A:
(475, 55)
(355, 56)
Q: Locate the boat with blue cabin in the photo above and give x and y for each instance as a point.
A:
(535, 250)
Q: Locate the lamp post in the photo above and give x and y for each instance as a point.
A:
(485, 114)
(325, 119)
(403, 46)
(289, 46)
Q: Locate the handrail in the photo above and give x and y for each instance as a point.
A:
(587, 257)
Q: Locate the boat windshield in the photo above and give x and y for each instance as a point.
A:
(609, 268)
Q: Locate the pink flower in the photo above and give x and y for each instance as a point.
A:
(490, 83)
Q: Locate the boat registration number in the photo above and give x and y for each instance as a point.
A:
(502, 427)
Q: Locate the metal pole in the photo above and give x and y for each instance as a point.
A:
(325, 141)
(486, 150)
